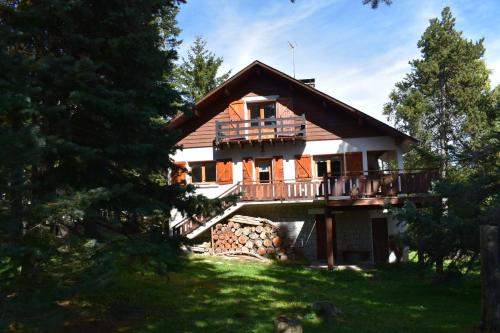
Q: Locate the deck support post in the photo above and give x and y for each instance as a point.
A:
(329, 240)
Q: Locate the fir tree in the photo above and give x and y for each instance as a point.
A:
(197, 74)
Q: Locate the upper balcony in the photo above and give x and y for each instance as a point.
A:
(259, 130)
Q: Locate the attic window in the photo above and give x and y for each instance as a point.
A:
(262, 111)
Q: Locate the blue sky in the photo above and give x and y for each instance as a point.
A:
(356, 54)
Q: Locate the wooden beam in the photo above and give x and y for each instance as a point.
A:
(227, 92)
(212, 252)
(329, 240)
(418, 200)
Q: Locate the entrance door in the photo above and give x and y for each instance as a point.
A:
(380, 238)
(321, 237)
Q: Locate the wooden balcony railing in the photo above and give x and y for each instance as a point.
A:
(383, 184)
(388, 183)
(283, 190)
(379, 184)
(260, 129)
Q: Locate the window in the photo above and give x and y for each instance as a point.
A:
(262, 111)
(264, 171)
(254, 113)
(203, 172)
(328, 165)
(321, 168)
(269, 112)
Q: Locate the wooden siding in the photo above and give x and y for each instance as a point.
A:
(324, 121)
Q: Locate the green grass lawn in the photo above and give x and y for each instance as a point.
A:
(217, 295)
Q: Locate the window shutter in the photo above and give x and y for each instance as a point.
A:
(303, 167)
(354, 164)
(236, 112)
(179, 173)
(247, 170)
(278, 168)
(225, 171)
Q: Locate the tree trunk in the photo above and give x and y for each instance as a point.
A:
(490, 278)
(439, 266)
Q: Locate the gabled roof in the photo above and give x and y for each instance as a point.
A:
(218, 92)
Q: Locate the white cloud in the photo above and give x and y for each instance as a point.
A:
(356, 54)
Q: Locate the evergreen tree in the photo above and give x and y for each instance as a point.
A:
(375, 3)
(197, 75)
(85, 97)
(445, 102)
(95, 101)
(442, 100)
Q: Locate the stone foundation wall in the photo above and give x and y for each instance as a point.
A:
(354, 229)
(354, 232)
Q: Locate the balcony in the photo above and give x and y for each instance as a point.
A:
(373, 189)
(260, 130)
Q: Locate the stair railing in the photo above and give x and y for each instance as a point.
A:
(191, 223)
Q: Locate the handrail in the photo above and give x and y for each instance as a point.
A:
(266, 128)
(188, 219)
(256, 120)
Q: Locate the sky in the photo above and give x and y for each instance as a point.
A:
(355, 53)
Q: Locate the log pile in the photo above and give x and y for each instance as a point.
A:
(250, 235)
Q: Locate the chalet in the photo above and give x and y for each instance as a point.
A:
(318, 168)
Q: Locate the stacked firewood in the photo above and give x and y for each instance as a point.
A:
(250, 235)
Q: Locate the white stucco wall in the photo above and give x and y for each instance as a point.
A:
(288, 151)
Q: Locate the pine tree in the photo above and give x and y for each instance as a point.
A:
(197, 74)
(441, 101)
(446, 103)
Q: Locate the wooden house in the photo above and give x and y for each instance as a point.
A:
(319, 168)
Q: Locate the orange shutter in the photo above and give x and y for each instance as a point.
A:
(303, 167)
(225, 171)
(179, 173)
(284, 107)
(247, 170)
(354, 164)
(278, 168)
(236, 112)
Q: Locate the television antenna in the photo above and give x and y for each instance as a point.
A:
(292, 46)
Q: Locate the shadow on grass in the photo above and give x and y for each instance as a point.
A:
(216, 295)
(208, 294)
